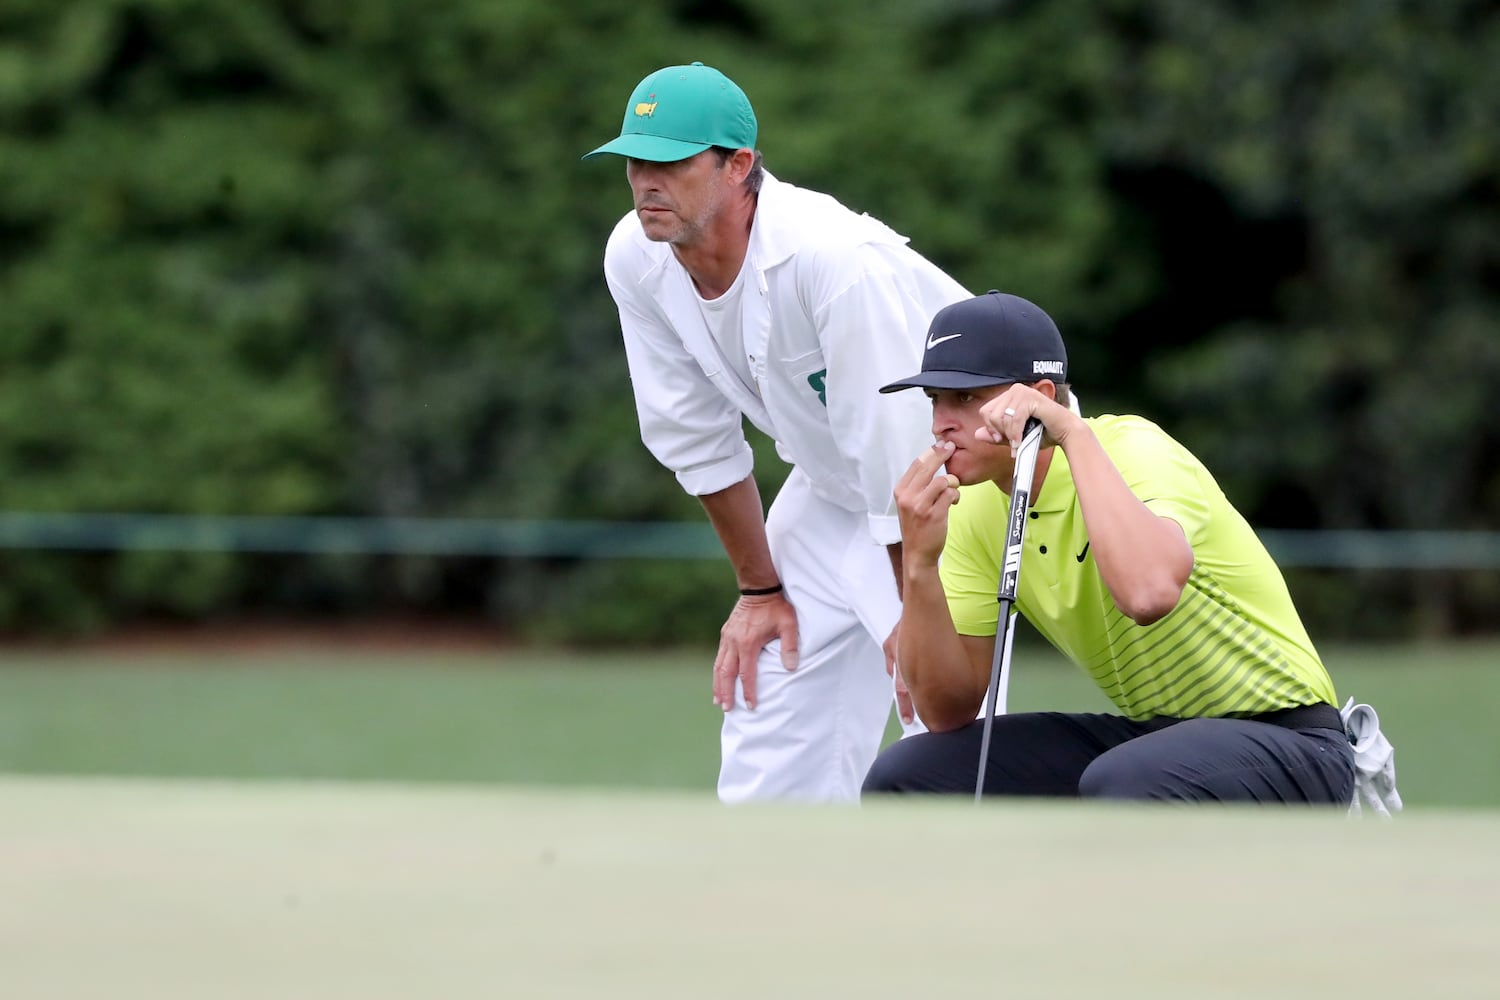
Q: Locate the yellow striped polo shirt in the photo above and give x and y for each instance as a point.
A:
(1233, 646)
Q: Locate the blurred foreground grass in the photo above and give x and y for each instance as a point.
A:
(136, 889)
(627, 720)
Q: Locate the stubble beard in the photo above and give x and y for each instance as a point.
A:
(660, 228)
(684, 232)
(681, 233)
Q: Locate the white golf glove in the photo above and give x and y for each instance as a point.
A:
(1374, 762)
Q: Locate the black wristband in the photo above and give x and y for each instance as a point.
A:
(760, 591)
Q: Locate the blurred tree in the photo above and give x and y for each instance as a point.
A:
(1358, 391)
(310, 257)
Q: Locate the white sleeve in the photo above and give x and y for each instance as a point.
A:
(871, 324)
(685, 422)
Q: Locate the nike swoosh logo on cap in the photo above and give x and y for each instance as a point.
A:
(933, 343)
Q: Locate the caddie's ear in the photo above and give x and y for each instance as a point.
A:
(739, 164)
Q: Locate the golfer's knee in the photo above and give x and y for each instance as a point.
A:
(915, 764)
(884, 776)
(1114, 778)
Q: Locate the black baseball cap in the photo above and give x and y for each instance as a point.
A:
(991, 339)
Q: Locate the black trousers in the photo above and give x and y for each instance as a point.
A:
(1296, 755)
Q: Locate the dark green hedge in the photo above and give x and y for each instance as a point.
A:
(316, 257)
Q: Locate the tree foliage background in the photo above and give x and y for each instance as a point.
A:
(311, 257)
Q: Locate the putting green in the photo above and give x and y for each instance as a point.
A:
(165, 890)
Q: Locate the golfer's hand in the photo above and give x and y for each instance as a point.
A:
(903, 696)
(1005, 418)
(923, 496)
(754, 622)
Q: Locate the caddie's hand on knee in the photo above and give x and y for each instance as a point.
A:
(893, 669)
(753, 623)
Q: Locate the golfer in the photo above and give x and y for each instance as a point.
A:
(1134, 565)
(744, 297)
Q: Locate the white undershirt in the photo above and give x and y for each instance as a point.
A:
(725, 318)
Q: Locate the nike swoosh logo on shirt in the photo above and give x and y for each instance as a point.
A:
(931, 343)
(1085, 552)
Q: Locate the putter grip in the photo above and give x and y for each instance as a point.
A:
(1020, 501)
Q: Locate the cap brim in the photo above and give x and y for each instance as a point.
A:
(945, 380)
(655, 148)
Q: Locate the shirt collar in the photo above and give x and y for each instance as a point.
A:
(771, 243)
(1057, 491)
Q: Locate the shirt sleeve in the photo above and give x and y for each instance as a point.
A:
(1162, 473)
(870, 327)
(685, 422)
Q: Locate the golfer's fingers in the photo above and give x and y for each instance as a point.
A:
(951, 494)
(996, 429)
(925, 466)
(940, 492)
(1003, 417)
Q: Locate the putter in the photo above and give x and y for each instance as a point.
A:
(1010, 574)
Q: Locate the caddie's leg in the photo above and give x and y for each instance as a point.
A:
(815, 730)
(1227, 760)
(869, 581)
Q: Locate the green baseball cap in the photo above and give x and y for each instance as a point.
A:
(679, 111)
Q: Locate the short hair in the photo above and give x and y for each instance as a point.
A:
(757, 169)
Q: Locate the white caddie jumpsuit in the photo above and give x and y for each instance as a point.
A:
(829, 306)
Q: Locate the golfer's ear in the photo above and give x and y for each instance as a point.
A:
(1047, 388)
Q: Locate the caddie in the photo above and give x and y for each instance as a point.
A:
(744, 297)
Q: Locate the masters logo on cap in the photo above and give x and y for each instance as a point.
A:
(679, 111)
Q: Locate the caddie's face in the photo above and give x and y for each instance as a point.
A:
(955, 418)
(678, 201)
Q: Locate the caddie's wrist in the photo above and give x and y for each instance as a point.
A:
(760, 591)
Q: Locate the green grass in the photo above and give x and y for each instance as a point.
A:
(645, 887)
(619, 721)
(133, 889)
